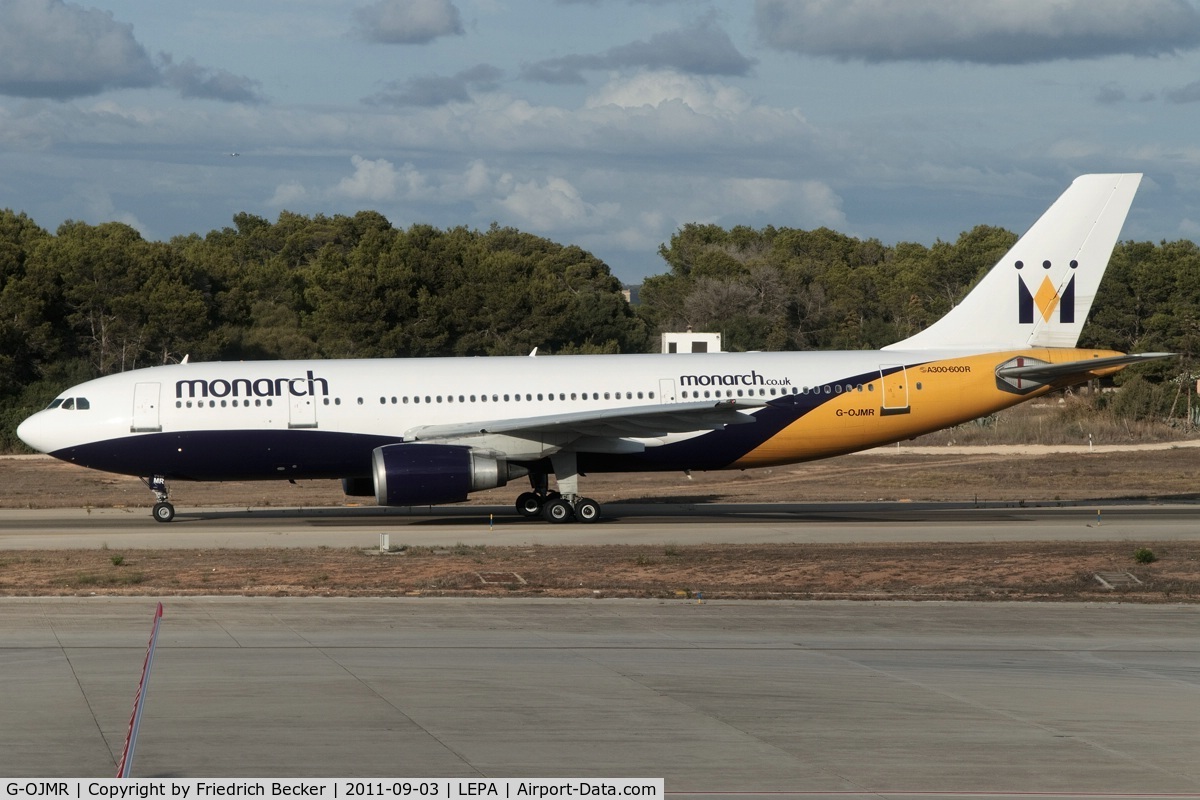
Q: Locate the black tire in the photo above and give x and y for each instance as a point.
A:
(529, 505)
(558, 511)
(163, 512)
(587, 510)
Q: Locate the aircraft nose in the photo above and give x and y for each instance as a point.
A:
(34, 432)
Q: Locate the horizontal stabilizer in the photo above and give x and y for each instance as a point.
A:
(1043, 372)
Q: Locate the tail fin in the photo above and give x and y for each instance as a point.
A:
(1040, 293)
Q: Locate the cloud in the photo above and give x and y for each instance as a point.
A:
(408, 21)
(52, 49)
(978, 31)
(1185, 94)
(702, 48)
(379, 180)
(654, 89)
(551, 204)
(1111, 93)
(193, 80)
(767, 194)
(61, 51)
(373, 181)
(430, 91)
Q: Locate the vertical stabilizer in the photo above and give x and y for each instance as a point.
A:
(1040, 293)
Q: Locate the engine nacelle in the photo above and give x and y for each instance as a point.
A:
(429, 474)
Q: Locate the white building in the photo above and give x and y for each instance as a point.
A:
(690, 342)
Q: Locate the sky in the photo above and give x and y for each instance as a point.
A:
(607, 124)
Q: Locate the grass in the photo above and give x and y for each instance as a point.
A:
(104, 580)
(1057, 419)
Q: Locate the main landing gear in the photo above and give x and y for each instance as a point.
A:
(565, 505)
(163, 511)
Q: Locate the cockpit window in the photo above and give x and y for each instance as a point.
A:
(69, 403)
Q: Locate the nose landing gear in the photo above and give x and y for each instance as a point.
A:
(163, 511)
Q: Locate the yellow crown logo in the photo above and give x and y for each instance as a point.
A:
(1046, 299)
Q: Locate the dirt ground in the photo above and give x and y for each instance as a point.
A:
(962, 474)
(984, 571)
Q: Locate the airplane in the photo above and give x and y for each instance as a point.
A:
(428, 431)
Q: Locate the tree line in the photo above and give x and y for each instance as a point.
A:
(89, 300)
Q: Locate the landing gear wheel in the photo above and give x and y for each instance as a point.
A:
(163, 512)
(529, 505)
(557, 510)
(587, 510)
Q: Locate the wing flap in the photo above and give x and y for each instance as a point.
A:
(631, 422)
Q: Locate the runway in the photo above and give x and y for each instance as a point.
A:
(725, 699)
(774, 523)
(722, 699)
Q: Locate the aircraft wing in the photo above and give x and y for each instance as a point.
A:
(1043, 372)
(631, 422)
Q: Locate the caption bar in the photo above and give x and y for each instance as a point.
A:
(332, 788)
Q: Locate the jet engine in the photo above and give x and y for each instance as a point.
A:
(358, 487)
(429, 474)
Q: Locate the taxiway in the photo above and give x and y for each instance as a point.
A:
(768, 523)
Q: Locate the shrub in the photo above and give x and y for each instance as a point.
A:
(1144, 555)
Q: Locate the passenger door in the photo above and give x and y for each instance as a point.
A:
(894, 378)
(145, 408)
